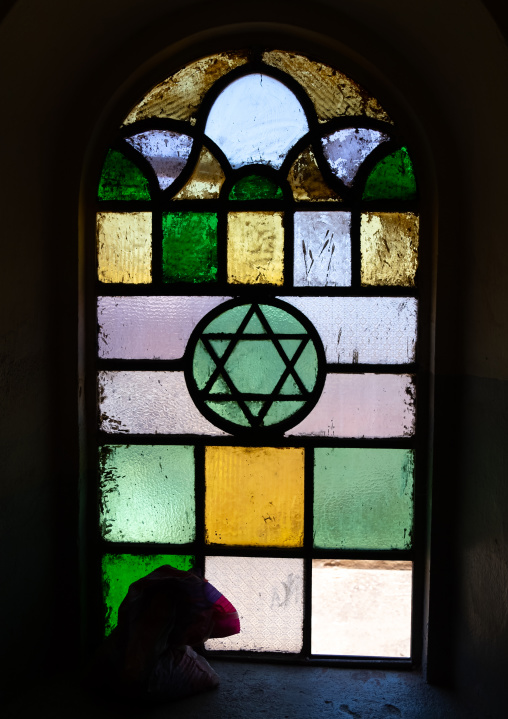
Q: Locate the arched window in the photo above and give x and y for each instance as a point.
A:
(257, 253)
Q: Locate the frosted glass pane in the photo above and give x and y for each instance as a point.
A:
(206, 180)
(255, 248)
(149, 403)
(254, 496)
(363, 498)
(389, 248)
(147, 494)
(256, 119)
(124, 247)
(322, 253)
(119, 571)
(149, 327)
(268, 595)
(306, 180)
(362, 405)
(332, 93)
(166, 151)
(369, 330)
(180, 95)
(346, 149)
(361, 608)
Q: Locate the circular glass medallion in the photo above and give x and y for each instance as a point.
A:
(255, 366)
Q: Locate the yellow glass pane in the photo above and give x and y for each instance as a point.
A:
(389, 248)
(256, 248)
(332, 93)
(306, 180)
(254, 496)
(206, 180)
(124, 247)
(180, 95)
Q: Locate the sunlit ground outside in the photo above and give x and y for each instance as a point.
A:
(361, 607)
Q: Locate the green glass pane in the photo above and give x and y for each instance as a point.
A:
(363, 498)
(307, 366)
(230, 411)
(392, 178)
(228, 321)
(255, 366)
(121, 179)
(256, 187)
(279, 411)
(203, 365)
(119, 571)
(189, 246)
(147, 493)
(281, 321)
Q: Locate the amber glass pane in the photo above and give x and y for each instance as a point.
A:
(389, 248)
(254, 496)
(180, 95)
(189, 246)
(255, 248)
(121, 179)
(332, 93)
(306, 180)
(124, 245)
(206, 180)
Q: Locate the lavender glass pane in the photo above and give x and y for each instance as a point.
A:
(256, 119)
(149, 403)
(149, 327)
(368, 330)
(346, 149)
(166, 151)
(322, 249)
(268, 595)
(362, 405)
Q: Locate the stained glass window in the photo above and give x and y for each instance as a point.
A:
(257, 236)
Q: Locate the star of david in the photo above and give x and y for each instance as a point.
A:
(255, 366)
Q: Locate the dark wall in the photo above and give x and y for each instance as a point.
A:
(69, 70)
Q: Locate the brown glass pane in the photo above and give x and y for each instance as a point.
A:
(306, 180)
(206, 180)
(389, 248)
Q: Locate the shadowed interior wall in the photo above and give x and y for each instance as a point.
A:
(68, 73)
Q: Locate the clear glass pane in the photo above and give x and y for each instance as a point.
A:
(149, 403)
(332, 93)
(149, 327)
(368, 330)
(121, 179)
(268, 595)
(307, 182)
(180, 95)
(166, 151)
(346, 149)
(363, 498)
(322, 252)
(147, 493)
(189, 246)
(124, 247)
(206, 180)
(256, 119)
(362, 405)
(119, 571)
(254, 496)
(361, 608)
(392, 178)
(255, 248)
(389, 248)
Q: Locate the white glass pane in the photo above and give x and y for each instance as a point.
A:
(256, 119)
(322, 253)
(166, 151)
(149, 403)
(346, 149)
(367, 330)
(149, 327)
(361, 607)
(362, 405)
(268, 595)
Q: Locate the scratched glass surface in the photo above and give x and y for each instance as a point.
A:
(362, 405)
(124, 247)
(256, 119)
(149, 327)
(205, 181)
(166, 151)
(268, 595)
(389, 248)
(365, 330)
(322, 249)
(346, 149)
(307, 182)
